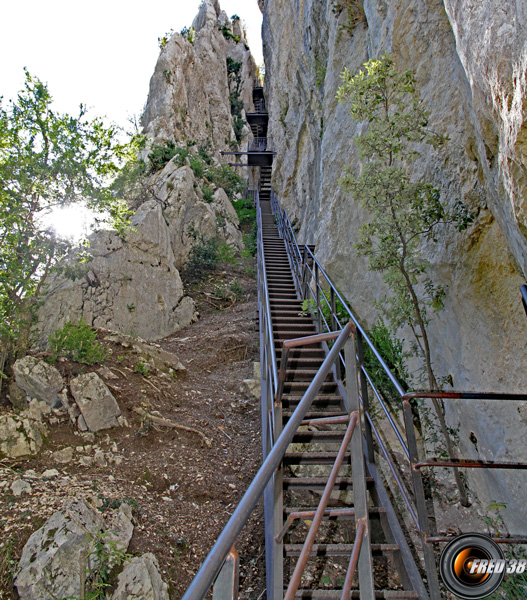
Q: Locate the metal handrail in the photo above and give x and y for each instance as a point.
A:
(262, 275)
(216, 557)
(308, 272)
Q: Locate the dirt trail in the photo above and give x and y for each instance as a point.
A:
(182, 491)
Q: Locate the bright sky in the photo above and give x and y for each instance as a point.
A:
(102, 52)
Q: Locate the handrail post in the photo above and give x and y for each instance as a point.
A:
(227, 584)
(358, 473)
(334, 326)
(523, 289)
(370, 455)
(420, 501)
(317, 299)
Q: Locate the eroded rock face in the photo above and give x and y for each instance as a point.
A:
(189, 91)
(56, 554)
(469, 62)
(96, 403)
(132, 285)
(141, 580)
(38, 379)
(20, 435)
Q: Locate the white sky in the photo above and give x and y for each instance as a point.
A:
(102, 52)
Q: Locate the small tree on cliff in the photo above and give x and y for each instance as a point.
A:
(47, 160)
(404, 213)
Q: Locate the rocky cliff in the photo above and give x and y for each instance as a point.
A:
(133, 284)
(470, 62)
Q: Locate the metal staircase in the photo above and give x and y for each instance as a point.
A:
(330, 527)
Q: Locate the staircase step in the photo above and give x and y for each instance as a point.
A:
(335, 549)
(337, 594)
(319, 483)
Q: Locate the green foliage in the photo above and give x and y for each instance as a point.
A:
(205, 256)
(237, 289)
(235, 77)
(250, 241)
(208, 194)
(203, 153)
(163, 41)
(513, 587)
(309, 307)
(76, 341)
(142, 368)
(197, 166)
(47, 160)
(320, 70)
(354, 11)
(391, 350)
(180, 156)
(228, 35)
(189, 33)
(245, 210)
(403, 213)
(226, 178)
(160, 155)
(202, 260)
(8, 563)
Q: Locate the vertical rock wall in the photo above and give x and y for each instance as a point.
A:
(469, 58)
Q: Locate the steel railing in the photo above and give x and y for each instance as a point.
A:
(223, 547)
(260, 144)
(329, 308)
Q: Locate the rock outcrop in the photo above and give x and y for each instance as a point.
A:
(56, 555)
(38, 379)
(133, 284)
(141, 579)
(98, 407)
(470, 63)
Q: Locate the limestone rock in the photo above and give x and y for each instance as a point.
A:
(38, 379)
(63, 456)
(469, 62)
(98, 406)
(132, 285)
(141, 580)
(162, 359)
(55, 555)
(17, 397)
(20, 435)
(189, 90)
(20, 487)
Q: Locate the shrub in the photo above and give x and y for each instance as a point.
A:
(245, 210)
(226, 178)
(160, 155)
(77, 342)
(207, 194)
(180, 156)
(141, 368)
(203, 258)
(197, 166)
(391, 350)
(237, 289)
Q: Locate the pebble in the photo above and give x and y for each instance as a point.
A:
(63, 456)
(50, 473)
(19, 487)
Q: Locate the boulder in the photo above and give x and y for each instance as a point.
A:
(141, 580)
(55, 555)
(39, 380)
(20, 435)
(98, 406)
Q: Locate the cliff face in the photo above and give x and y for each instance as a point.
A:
(133, 285)
(470, 63)
(189, 90)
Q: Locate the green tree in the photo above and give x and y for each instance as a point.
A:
(47, 160)
(404, 213)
